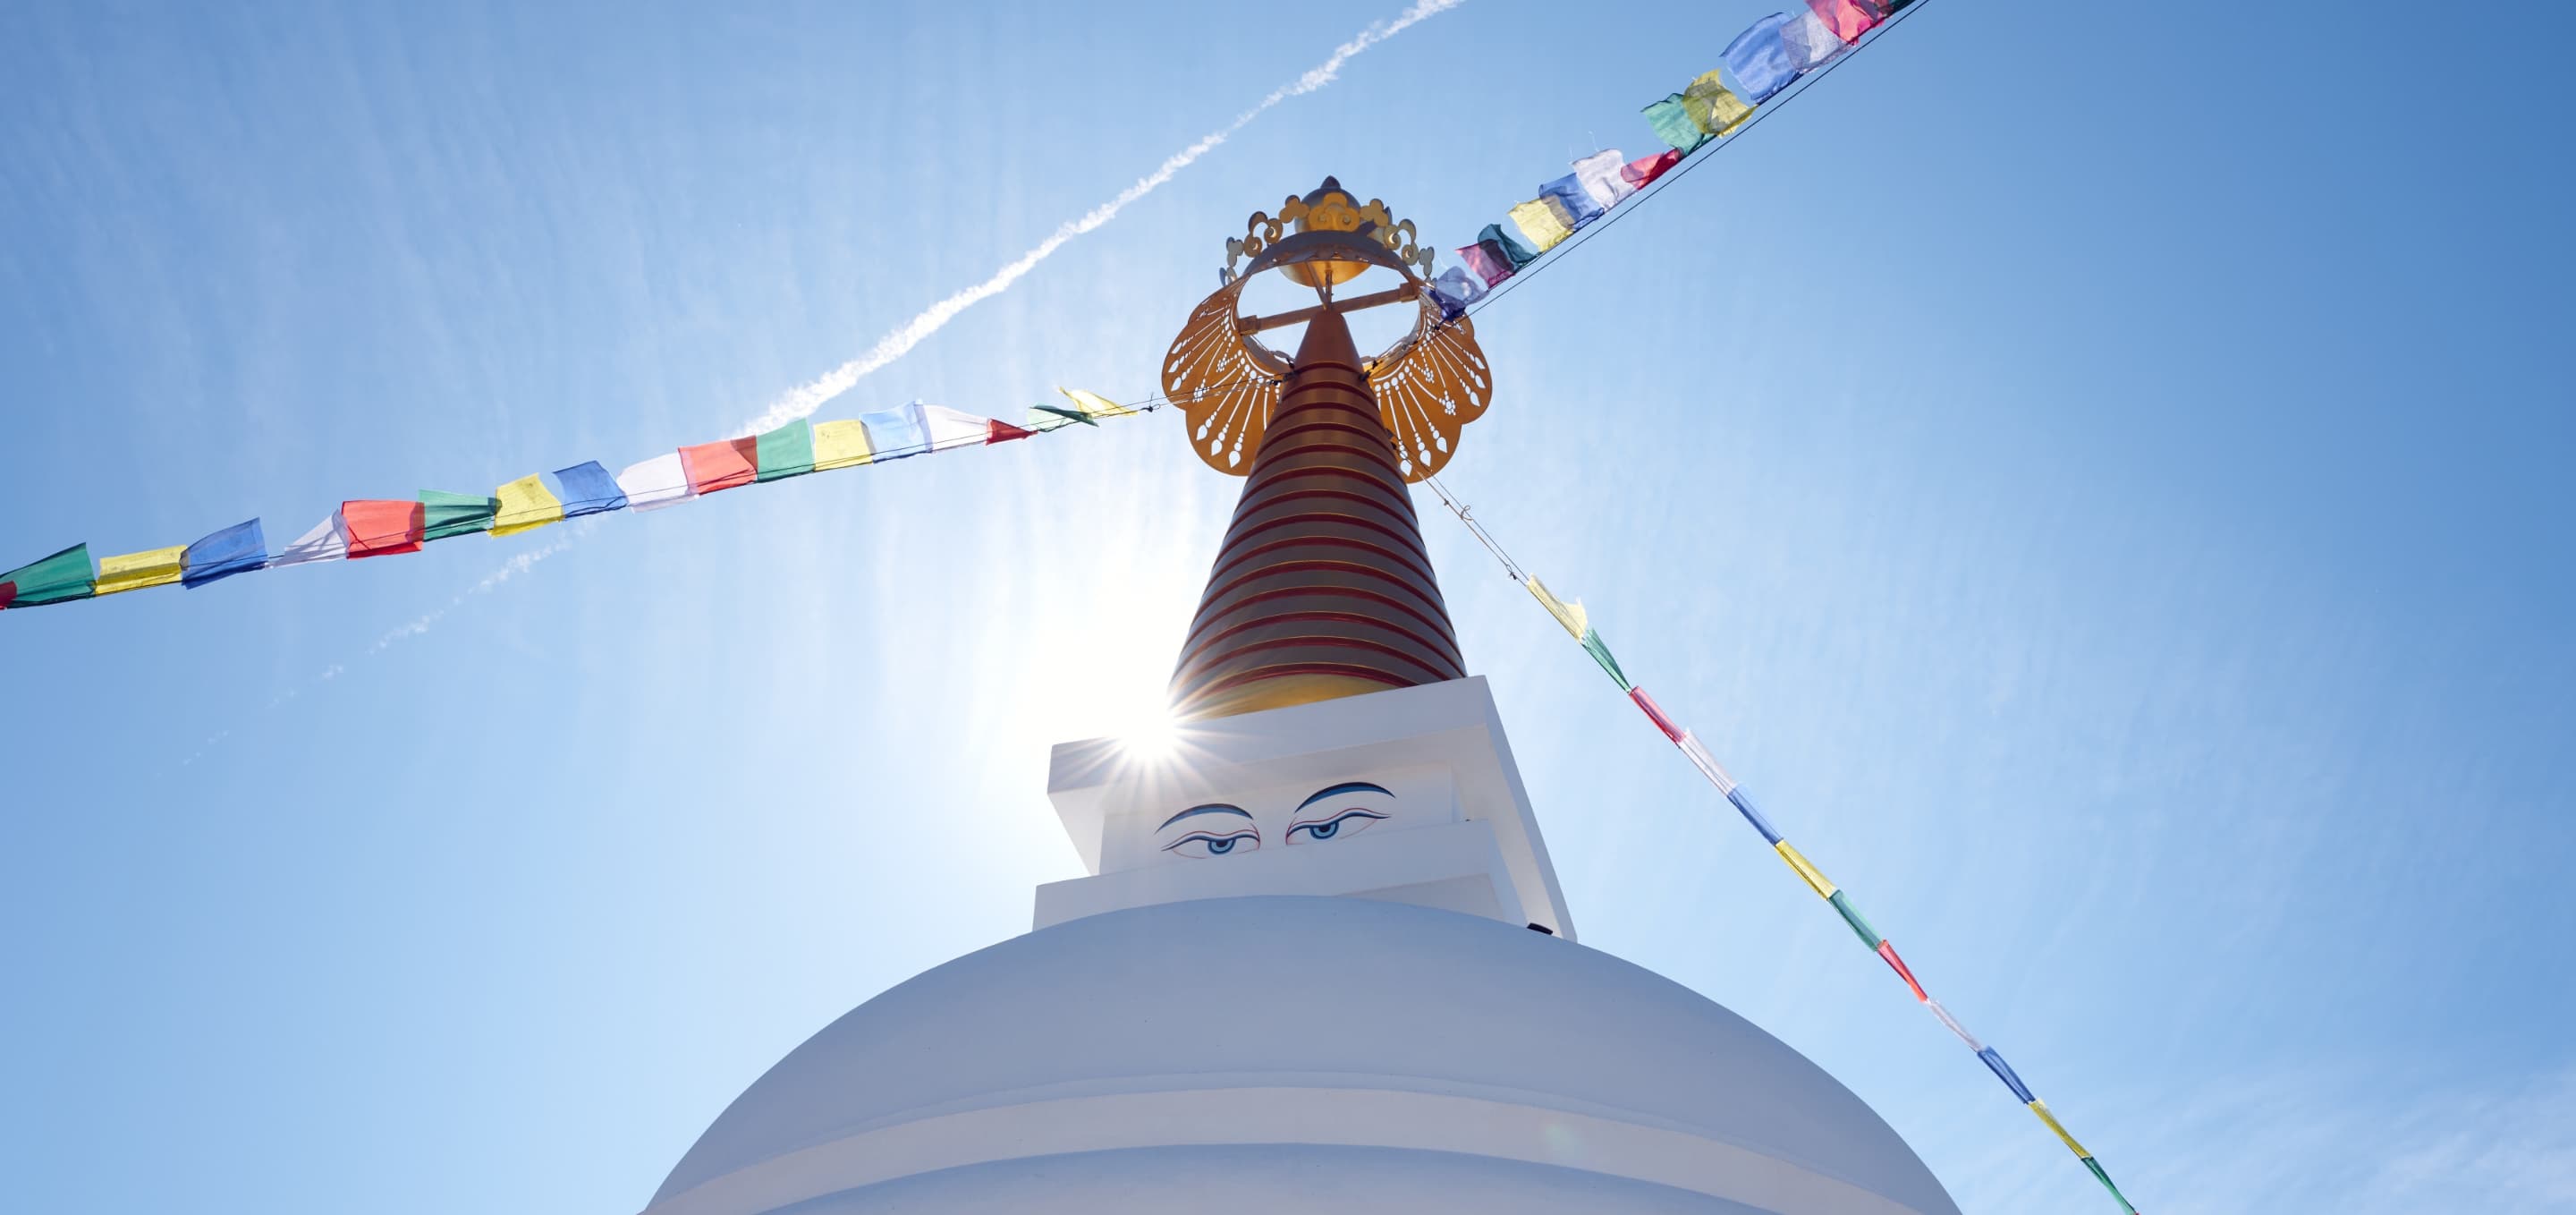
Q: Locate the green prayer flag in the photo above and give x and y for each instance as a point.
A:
(1499, 244)
(787, 451)
(1069, 415)
(445, 514)
(2105, 1179)
(1672, 122)
(1851, 915)
(1600, 653)
(60, 578)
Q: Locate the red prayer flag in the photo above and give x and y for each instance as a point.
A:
(1887, 950)
(721, 465)
(1656, 712)
(1645, 169)
(999, 431)
(8, 595)
(380, 527)
(1848, 19)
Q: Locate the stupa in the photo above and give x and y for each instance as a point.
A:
(1320, 961)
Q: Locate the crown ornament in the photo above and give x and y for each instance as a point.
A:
(1225, 381)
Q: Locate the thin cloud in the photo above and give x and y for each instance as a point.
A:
(805, 399)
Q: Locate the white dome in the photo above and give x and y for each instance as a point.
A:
(1254, 1054)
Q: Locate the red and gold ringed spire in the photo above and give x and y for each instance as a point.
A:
(1322, 586)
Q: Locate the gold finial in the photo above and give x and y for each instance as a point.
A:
(1428, 385)
(1326, 208)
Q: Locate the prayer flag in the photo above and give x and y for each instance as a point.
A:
(1542, 223)
(1488, 264)
(1851, 915)
(999, 431)
(1759, 57)
(1643, 171)
(1815, 880)
(896, 433)
(1655, 713)
(1600, 652)
(381, 527)
(2041, 1108)
(1599, 174)
(525, 505)
(655, 483)
(60, 578)
(1493, 241)
(1568, 194)
(238, 549)
(328, 541)
(953, 427)
(1056, 417)
(2003, 1071)
(1811, 44)
(840, 445)
(1095, 405)
(1707, 764)
(1848, 19)
(134, 571)
(1714, 107)
(588, 490)
(786, 452)
(446, 514)
(1576, 621)
(1743, 803)
(1672, 122)
(725, 464)
(1887, 953)
(1454, 290)
(2105, 1179)
(1953, 1023)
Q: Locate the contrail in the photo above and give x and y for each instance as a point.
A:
(805, 399)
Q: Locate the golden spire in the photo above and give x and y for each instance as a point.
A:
(1322, 586)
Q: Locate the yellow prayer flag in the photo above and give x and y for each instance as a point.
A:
(526, 505)
(134, 571)
(1096, 405)
(841, 444)
(1713, 106)
(2041, 1108)
(1815, 881)
(1571, 615)
(1542, 223)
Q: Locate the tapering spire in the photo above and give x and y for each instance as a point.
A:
(1322, 587)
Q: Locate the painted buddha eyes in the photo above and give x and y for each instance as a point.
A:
(1347, 822)
(1224, 830)
(1201, 844)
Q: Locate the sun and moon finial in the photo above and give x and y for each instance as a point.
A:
(1428, 385)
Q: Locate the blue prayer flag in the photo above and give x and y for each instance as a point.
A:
(1454, 290)
(588, 490)
(2003, 1071)
(1744, 803)
(896, 433)
(1567, 194)
(1759, 57)
(238, 549)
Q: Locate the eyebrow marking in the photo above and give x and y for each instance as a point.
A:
(1357, 786)
(1214, 808)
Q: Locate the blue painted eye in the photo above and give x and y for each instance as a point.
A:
(1348, 822)
(1199, 845)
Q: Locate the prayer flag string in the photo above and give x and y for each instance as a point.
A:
(384, 527)
(1570, 615)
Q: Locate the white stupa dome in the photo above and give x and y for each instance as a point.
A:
(1257, 1054)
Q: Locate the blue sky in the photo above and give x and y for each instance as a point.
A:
(2096, 471)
